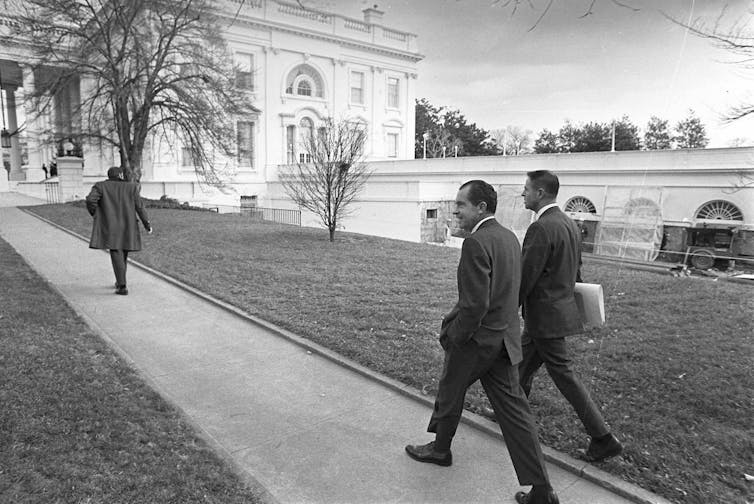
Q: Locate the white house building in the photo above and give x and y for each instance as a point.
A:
(304, 66)
(300, 66)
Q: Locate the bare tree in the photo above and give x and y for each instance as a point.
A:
(512, 140)
(514, 5)
(442, 143)
(335, 174)
(145, 67)
(736, 36)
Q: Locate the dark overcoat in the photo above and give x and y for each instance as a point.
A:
(488, 278)
(551, 259)
(114, 204)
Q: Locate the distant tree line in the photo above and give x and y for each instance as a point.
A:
(445, 132)
(623, 134)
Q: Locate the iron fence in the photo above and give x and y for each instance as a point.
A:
(261, 214)
(52, 192)
(278, 215)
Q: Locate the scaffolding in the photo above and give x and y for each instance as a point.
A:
(632, 223)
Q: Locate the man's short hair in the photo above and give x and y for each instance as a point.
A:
(479, 191)
(546, 180)
(114, 172)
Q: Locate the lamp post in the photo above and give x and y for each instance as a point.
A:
(424, 136)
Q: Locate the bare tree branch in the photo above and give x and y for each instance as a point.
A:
(514, 4)
(736, 38)
(334, 172)
(143, 65)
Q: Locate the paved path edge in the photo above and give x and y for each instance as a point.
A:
(260, 491)
(580, 468)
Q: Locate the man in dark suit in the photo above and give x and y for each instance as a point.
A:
(481, 339)
(114, 204)
(551, 261)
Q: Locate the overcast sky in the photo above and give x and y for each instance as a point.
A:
(483, 60)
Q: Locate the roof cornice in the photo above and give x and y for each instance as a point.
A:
(389, 51)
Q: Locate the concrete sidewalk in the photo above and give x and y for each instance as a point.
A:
(295, 420)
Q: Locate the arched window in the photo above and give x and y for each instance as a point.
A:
(304, 80)
(642, 207)
(304, 88)
(580, 204)
(719, 210)
(305, 132)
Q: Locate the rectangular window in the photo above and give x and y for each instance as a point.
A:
(245, 143)
(290, 146)
(245, 71)
(392, 145)
(304, 158)
(431, 213)
(393, 92)
(357, 87)
(187, 159)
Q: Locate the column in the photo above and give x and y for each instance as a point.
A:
(33, 168)
(16, 174)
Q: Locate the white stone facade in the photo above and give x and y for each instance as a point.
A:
(396, 198)
(302, 66)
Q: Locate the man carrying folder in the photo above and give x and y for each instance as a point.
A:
(551, 260)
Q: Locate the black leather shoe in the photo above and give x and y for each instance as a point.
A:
(122, 290)
(427, 453)
(537, 497)
(601, 450)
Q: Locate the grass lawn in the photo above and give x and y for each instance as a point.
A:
(77, 424)
(672, 370)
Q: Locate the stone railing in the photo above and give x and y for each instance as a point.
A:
(297, 10)
(394, 35)
(295, 15)
(352, 24)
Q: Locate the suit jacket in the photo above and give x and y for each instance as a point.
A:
(551, 260)
(489, 275)
(114, 205)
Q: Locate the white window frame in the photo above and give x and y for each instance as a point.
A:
(392, 144)
(303, 156)
(187, 160)
(246, 161)
(312, 86)
(362, 89)
(389, 95)
(246, 62)
(290, 143)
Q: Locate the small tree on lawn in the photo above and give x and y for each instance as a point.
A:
(336, 174)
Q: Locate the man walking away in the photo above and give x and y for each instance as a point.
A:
(114, 204)
(551, 261)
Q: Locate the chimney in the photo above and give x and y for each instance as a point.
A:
(372, 15)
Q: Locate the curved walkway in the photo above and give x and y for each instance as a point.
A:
(294, 419)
